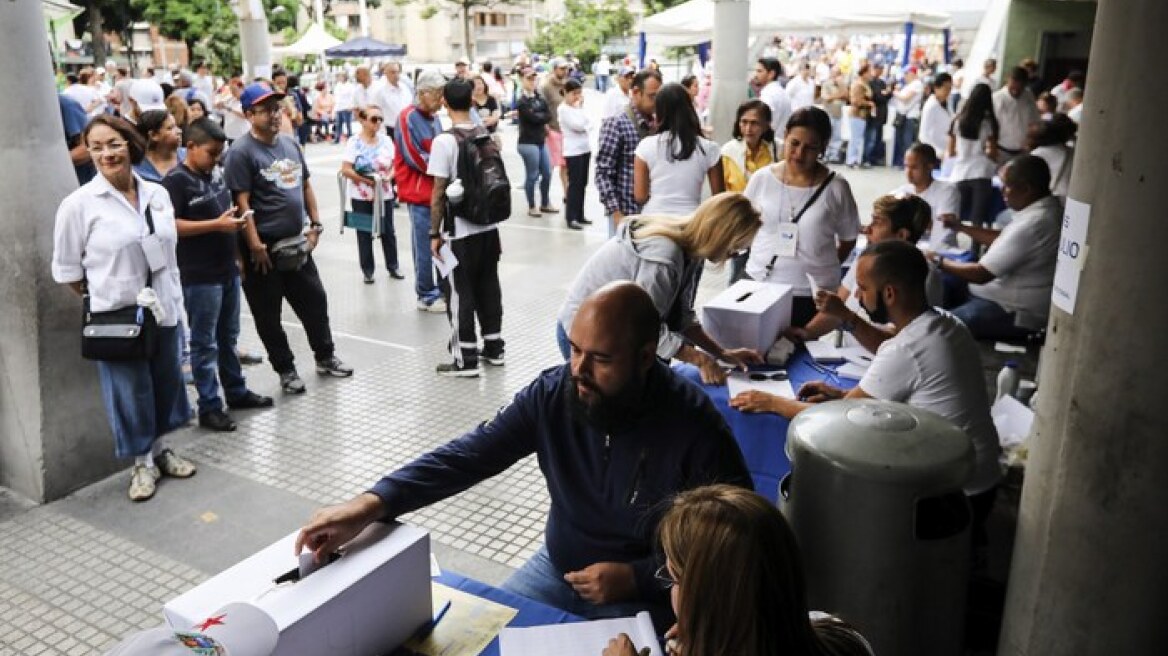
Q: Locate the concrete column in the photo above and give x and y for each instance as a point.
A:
(731, 33)
(54, 437)
(1090, 569)
(255, 46)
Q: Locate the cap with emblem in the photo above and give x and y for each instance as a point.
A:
(147, 94)
(235, 630)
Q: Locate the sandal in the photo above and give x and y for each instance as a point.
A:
(142, 483)
(174, 465)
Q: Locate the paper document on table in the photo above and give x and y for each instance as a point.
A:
(740, 381)
(578, 638)
(445, 260)
(467, 627)
(435, 570)
(851, 370)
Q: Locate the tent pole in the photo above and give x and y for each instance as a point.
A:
(945, 44)
(908, 35)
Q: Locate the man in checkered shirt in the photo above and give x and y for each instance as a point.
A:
(619, 136)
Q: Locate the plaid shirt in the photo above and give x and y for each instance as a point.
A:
(619, 137)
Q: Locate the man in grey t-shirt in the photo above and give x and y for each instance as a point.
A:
(267, 174)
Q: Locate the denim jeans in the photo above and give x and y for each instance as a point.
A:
(145, 399)
(213, 312)
(856, 141)
(903, 138)
(874, 142)
(387, 237)
(539, 579)
(424, 285)
(538, 166)
(344, 118)
(988, 320)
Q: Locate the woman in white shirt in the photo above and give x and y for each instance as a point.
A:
(371, 153)
(973, 142)
(100, 242)
(935, 116)
(669, 167)
(1049, 140)
(809, 216)
(575, 124)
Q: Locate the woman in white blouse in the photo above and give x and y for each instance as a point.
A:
(809, 216)
(575, 124)
(973, 142)
(670, 166)
(98, 249)
(367, 154)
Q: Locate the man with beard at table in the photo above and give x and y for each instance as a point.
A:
(616, 434)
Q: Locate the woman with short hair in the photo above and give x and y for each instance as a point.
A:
(370, 153)
(755, 607)
(99, 251)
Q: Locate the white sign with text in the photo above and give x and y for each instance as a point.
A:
(1072, 252)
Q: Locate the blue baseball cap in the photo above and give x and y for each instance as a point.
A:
(256, 93)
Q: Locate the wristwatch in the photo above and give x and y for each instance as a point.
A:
(316, 226)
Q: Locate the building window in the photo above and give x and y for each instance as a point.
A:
(490, 19)
(518, 21)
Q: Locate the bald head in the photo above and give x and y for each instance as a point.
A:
(623, 309)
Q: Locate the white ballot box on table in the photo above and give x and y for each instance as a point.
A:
(748, 314)
(365, 603)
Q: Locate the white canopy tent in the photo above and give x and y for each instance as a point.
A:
(692, 22)
(314, 42)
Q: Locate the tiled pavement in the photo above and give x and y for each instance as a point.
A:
(78, 574)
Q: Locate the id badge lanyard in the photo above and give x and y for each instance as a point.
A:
(789, 230)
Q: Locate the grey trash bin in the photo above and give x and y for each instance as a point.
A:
(874, 498)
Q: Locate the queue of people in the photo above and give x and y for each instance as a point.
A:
(675, 200)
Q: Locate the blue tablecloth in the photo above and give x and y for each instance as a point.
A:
(531, 613)
(763, 436)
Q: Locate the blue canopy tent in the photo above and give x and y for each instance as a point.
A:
(364, 46)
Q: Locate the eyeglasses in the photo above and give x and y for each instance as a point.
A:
(374, 119)
(776, 376)
(113, 147)
(664, 577)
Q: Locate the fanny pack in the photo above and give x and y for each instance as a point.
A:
(290, 254)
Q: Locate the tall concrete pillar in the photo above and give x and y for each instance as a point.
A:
(54, 437)
(255, 47)
(731, 33)
(1090, 568)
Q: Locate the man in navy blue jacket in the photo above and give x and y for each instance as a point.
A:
(616, 433)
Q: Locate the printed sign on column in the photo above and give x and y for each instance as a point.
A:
(1072, 252)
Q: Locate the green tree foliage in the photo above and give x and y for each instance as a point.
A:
(101, 17)
(584, 29)
(658, 6)
(209, 27)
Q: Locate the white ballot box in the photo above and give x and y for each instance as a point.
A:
(365, 603)
(748, 314)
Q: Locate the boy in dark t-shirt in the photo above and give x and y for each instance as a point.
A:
(208, 232)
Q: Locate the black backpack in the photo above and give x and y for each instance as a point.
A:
(486, 198)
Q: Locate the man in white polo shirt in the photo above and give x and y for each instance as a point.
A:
(931, 363)
(1016, 109)
(1009, 291)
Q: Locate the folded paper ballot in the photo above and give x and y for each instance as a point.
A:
(579, 638)
(771, 382)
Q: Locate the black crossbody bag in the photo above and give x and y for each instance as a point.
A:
(124, 334)
(810, 201)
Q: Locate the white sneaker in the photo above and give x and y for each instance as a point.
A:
(142, 482)
(436, 306)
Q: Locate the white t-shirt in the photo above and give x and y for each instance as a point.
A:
(345, 95)
(96, 238)
(1014, 117)
(935, 120)
(363, 157)
(971, 162)
(833, 216)
(933, 364)
(675, 186)
(393, 99)
(910, 108)
(934, 289)
(234, 124)
(1022, 260)
(1058, 158)
(574, 124)
(615, 102)
(801, 92)
(943, 198)
(776, 98)
(85, 95)
(444, 164)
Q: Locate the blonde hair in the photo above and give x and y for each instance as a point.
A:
(905, 212)
(719, 226)
(758, 607)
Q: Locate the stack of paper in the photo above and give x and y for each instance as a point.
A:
(579, 638)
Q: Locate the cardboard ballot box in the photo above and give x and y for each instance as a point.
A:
(748, 314)
(365, 603)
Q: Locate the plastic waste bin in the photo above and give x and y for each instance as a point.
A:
(874, 497)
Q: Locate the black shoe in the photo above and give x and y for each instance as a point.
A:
(290, 382)
(333, 367)
(454, 370)
(217, 420)
(246, 358)
(396, 274)
(369, 279)
(250, 401)
(584, 221)
(493, 356)
(572, 225)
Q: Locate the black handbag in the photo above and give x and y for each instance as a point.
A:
(125, 334)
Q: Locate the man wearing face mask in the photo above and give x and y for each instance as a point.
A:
(617, 434)
(932, 363)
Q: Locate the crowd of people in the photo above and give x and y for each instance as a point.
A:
(200, 193)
